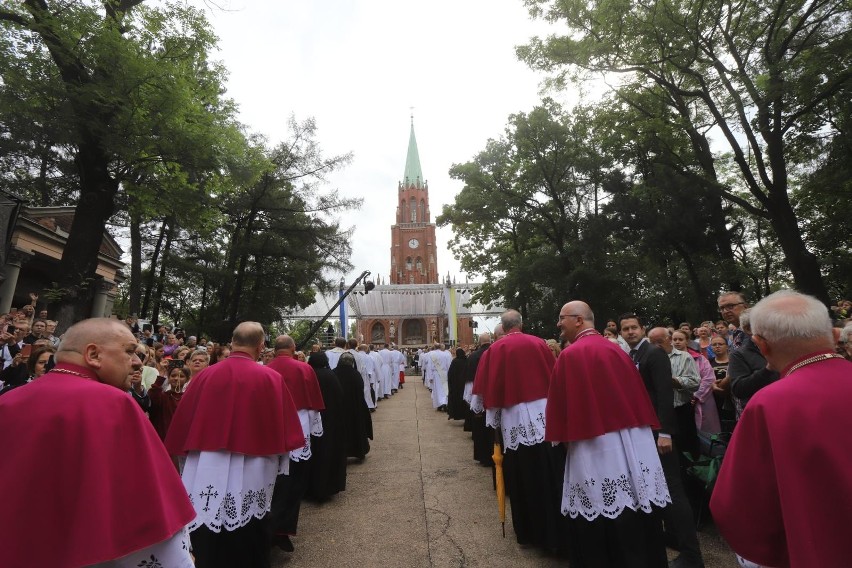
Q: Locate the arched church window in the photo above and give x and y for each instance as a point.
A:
(419, 264)
(408, 263)
(413, 208)
(423, 211)
(377, 333)
(402, 211)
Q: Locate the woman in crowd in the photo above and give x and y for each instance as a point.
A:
(554, 347)
(356, 421)
(164, 403)
(703, 338)
(457, 408)
(722, 392)
(845, 343)
(149, 369)
(159, 353)
(328, 459)
(220, 352)
(198, 361)
(17, 374)
(706, 414)
(610, 334)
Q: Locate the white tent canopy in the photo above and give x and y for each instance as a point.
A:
(400, 301)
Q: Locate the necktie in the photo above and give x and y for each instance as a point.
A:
(634, 354)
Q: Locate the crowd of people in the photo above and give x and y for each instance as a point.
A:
(238, 434)
(598, 429)
(223, 442)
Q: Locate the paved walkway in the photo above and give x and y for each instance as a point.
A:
(420, 500)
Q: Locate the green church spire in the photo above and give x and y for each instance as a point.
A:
(413, 175)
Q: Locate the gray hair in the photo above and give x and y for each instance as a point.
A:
(739, 295)
(745, 320)
(846, 333)
(789, 315)
(200, 353)
(511, 319)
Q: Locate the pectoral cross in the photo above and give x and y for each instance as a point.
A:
(210, 493)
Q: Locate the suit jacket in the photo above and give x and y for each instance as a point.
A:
(656, 371)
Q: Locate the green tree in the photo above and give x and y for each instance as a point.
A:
(761, 75)
(525, 218)
(122, 87)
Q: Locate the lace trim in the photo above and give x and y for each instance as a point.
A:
(468, 391)
(476, 404)
(522, 423)
(607, 474)
(227, 490)
(311, 421)
(170, 553)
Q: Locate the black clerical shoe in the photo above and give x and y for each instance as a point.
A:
(393, 391)
(283, 542)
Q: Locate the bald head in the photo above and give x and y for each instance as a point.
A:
(284, 343)
(511, 319)
(95, 330)
(484, 338)
(661, 337)
(248, 334)
(105, 346)
(574, 317)
(498, 332)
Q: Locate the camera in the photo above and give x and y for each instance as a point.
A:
(176, 363)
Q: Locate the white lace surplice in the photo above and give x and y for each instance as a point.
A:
(522, 423)
(227, 490)
(311, 421)
(468, 391)
(608, 473)
(476, 403)
(172, 552)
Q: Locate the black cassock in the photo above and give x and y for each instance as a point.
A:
(357, 424)
(328, 458)
(483, 436)
(457, 408)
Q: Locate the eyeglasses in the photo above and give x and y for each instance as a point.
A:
(730, 307)
(562, 317)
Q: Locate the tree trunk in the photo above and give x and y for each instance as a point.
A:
(802, 263)
(135, 291)
(78, 267)
(152, 267)
(158, 294)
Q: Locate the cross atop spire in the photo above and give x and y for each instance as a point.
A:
(413, 175)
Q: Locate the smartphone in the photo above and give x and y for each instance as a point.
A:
(10, 329)
(176, 363)
(26, 350)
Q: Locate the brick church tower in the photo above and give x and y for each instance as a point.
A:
(413, 246)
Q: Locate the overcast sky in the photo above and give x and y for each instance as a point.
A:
(357, 67)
